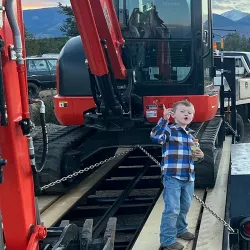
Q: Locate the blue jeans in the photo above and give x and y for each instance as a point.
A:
(177, 196)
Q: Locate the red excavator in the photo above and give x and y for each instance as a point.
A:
(137, 56)
(132, 56)
(112, 80)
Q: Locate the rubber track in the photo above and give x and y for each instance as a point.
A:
(206, 171)
(59, 142)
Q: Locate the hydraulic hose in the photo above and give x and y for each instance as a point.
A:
(3, 112)
(10, 12)
(18, 48)
(44, 133)
(21, 69)
(32, 149)
(112, 78)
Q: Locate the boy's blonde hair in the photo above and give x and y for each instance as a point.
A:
(183, 102)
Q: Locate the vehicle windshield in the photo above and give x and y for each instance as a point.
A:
(158, 35)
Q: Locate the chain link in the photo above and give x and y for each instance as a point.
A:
(231, 128)
(153, 159)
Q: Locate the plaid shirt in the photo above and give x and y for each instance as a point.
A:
(176, 149)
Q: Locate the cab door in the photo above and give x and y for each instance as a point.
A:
(207, 43)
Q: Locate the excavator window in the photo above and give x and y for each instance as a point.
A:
(158, 18)
(158, 39)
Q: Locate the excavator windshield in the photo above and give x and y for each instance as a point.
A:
(158, 35)
(158, 18)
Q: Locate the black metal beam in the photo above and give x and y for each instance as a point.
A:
(107, 139)
(122, 184)
(122, 171)
(228, 67)
(110, 200)
(111, 211)
(96, 211)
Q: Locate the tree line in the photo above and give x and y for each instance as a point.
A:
(34, 46)
(236, 42)
(42, 46)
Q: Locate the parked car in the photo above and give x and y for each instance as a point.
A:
(41, 74)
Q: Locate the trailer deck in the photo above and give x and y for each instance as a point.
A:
(208, 229)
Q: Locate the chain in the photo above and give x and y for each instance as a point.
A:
(85, 169)
(195, 196)
(153, 159)
(230, 127)
(214, 214)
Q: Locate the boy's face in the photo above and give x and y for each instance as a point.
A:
(183, 114)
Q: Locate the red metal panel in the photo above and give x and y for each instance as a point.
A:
(72, 113)
(206, 106)
(69, 110)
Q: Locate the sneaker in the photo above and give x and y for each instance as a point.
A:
(174, 246)
(186, 236)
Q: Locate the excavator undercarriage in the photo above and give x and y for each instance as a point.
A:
(74, 148)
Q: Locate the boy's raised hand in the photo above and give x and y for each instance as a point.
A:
(167, 112)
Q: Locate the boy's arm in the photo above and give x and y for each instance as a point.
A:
(160, 133)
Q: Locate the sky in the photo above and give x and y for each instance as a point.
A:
(31, 4)
(219, 6)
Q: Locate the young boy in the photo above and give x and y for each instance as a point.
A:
(177, 172)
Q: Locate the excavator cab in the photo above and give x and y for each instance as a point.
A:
(156, 51)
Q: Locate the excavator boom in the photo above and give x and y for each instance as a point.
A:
(99, 28)
(103, 43)
(17, 199)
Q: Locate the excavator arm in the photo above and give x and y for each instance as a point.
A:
(99, 29)
(17, 197)
(103, 44)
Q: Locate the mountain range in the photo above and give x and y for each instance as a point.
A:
(46, 22)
